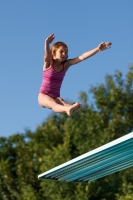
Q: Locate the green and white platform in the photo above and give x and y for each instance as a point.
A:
(107, 159)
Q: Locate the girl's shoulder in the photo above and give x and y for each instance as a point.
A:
(47, 65)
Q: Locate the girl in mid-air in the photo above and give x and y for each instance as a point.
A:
(55, 67)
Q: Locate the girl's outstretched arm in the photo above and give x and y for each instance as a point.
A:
(47, 55)
(102, 46)
(48, 40)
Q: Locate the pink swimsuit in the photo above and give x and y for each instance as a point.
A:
(52, 82)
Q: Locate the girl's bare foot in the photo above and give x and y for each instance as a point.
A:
(73, 108)
(79, 107)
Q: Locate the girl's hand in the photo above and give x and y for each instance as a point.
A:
(104, 45)
(49, 39)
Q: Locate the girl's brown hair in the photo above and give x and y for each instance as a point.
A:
(55, 46)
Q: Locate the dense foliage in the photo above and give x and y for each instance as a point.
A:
(24, 156)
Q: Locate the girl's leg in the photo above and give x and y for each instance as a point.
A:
(48, 102)
(64, 103)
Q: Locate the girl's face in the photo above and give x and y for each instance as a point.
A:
(61, 54)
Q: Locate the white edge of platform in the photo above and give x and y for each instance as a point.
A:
(110, 144)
